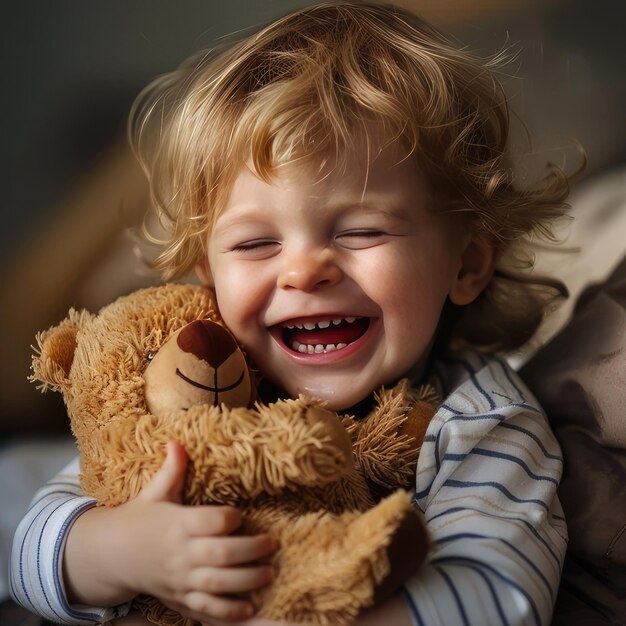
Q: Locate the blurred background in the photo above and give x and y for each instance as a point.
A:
(71, 188)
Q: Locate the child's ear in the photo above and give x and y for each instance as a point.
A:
(477, 265)
(204, 274)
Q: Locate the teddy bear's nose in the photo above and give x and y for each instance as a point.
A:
(208, 341)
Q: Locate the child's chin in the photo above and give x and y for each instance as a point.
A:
(335, 397)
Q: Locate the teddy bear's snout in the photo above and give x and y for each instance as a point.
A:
(199, 364)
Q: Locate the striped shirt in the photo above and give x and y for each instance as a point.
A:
(486, 482)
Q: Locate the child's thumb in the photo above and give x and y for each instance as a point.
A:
(168, 483)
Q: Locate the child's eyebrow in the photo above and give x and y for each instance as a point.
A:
(394, 210)
(254, 214)
(224, 224)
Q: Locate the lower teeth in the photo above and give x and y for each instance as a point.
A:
(317, 349)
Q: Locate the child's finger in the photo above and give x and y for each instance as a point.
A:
(211, 520)
(168, 483)
(222, 580)
(204, 606)
(231, 551)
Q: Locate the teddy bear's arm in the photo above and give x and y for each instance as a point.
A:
(235, 454)
(265, 450)
(387, 442)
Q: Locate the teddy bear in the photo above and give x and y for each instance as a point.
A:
(158, 365)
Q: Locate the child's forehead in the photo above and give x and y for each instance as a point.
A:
(367, 182)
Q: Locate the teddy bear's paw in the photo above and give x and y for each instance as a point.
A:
(333, 566)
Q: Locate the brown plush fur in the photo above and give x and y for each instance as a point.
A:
(309, 477)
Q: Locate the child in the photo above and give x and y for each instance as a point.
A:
(340, 181)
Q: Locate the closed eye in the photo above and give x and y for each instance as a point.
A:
(357, 239)
(257, 248)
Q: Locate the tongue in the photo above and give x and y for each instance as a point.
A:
(343, 333)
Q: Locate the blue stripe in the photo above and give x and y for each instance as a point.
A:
(469, 417)
(447, 407)
(53, 494)
(494, 595)
(12, 588)
(455, 593)
(461, 416)
(413, 610)
(507, 372)
(505, 397)
(529, 526)
(416, 504)
(449, 456)
(534, 437)
(422, 494)
(58, 585)
(437, 458)
(473, 379)
(91, 616)
(513, 459)
(45, 595)
(475, 565)
(529, 407)
(463, 484)
(452, 538)
(21, 558)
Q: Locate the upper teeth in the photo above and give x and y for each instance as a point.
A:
(323, 324)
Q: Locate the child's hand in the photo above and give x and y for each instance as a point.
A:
(183, 555)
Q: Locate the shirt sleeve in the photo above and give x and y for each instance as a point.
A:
(486, 481)
(35, 562)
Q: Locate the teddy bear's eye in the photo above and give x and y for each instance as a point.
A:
(150, 355)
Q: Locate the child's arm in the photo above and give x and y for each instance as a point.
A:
(181, 555)
(487, 481)
(36, 555)
(152, 545)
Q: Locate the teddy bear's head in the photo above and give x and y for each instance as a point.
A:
(159, 348)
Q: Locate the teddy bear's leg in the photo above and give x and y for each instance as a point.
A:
(331, 567)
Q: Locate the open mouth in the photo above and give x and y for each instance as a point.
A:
(322, 336)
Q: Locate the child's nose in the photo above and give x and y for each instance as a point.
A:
(307, 272)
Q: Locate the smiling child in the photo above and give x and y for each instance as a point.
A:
(340, 180)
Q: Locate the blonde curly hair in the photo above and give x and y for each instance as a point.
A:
(303, 88)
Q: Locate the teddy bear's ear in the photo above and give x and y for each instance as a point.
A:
(55, 349)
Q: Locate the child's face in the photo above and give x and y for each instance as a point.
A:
(334, 286)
